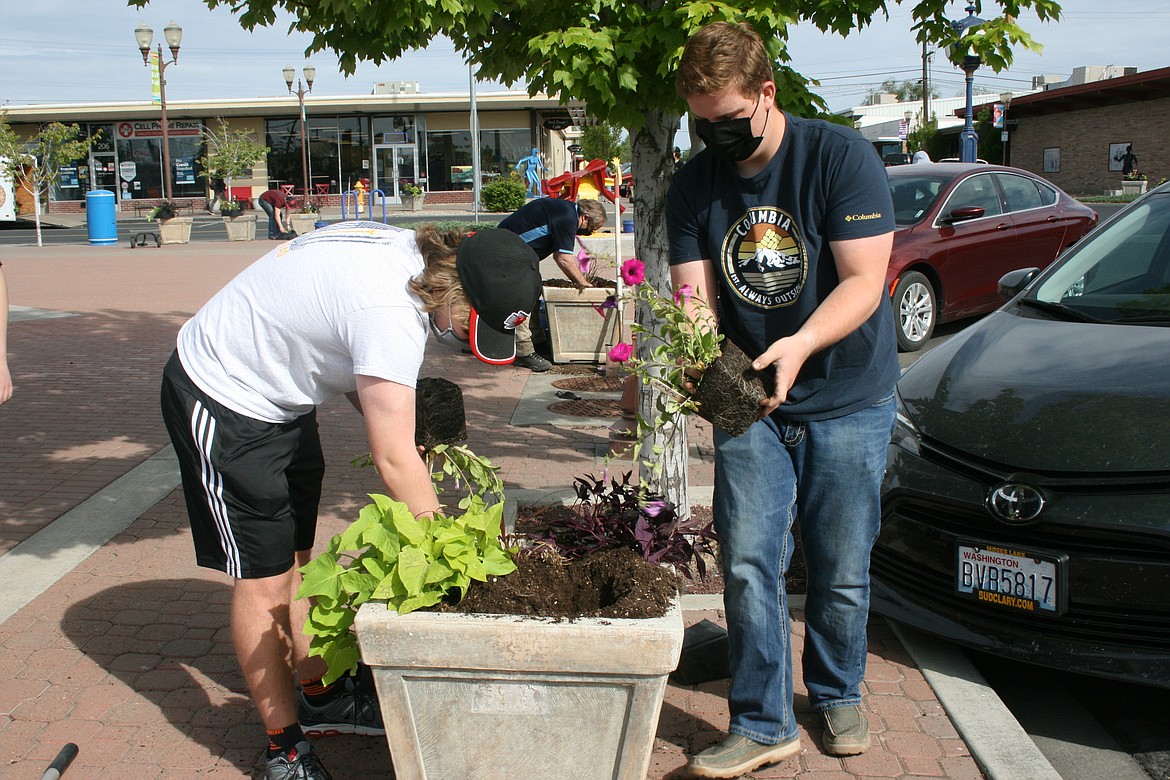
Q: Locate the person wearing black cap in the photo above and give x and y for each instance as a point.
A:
(343, 310)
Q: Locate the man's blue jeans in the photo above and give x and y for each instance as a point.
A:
(826, 475)
(273, 228)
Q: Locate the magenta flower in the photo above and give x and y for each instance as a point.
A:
(633, 271)
(683, 292)
(654, 508)
(621, 352)
(584, 262)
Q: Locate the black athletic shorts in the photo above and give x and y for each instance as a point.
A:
(252, 487)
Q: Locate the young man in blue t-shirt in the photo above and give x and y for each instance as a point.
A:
(788, 221)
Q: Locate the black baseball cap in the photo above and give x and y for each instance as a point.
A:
(500, 275)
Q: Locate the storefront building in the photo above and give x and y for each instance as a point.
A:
(376, 142)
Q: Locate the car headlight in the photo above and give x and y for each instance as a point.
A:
(906, 433)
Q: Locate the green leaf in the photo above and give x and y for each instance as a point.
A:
(319, 577)
(412, 570)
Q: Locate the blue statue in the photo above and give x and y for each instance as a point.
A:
(533, 163)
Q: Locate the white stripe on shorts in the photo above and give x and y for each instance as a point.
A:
(203, 432)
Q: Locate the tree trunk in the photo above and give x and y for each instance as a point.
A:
(666, 472)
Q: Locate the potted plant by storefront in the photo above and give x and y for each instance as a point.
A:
(240, 226)
(1134, 183)
(412, 197)
(172, 229)
(463, 692)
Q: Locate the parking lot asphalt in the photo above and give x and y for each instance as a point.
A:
(111, 637)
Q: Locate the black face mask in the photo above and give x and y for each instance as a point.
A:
(731, 139)
(584, 231)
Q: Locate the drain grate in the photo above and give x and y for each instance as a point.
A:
(592, 384)
(587, 407)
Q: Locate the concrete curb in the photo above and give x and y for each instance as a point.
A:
(1000, 745)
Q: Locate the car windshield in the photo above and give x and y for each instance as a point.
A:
(1120, 274)
(913, 197)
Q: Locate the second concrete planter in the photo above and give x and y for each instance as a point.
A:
(579, 328)
(504, 696)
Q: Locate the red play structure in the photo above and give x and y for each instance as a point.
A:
(589, 183)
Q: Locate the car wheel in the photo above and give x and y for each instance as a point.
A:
(914, 311)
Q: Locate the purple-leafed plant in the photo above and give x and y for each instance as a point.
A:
(610, 514)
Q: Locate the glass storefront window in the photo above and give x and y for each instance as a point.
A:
(448, 160)
(337, 148)
(500, 150)
(449, 156)
(138, 159)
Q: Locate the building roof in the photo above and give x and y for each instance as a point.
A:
(281, 105)
(1146, 85)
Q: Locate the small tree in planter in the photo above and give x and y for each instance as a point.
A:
(230, 155)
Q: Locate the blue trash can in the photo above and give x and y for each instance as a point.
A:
(100, 222)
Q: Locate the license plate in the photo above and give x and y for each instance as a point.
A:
(1014, 579)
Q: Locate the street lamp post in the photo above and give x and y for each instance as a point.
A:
(968, 139)
(906, 117)
(173, 34)
(310, 73)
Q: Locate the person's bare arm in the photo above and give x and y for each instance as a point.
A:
(5, 375)
(861, 267)
(569, 267)
(388, 408)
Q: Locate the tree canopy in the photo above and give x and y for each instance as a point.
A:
(617, 55)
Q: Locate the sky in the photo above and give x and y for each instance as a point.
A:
(54, 51)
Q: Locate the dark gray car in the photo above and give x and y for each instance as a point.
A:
(1026, 505)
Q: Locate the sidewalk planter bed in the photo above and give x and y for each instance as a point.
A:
(176, 230)
(241, 228)
(473, 695)
(304, 222)
(579, 328)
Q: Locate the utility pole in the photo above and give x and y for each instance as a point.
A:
(925, 86)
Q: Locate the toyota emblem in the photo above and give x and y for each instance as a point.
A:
(1015, 503)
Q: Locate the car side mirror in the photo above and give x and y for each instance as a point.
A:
(963, 213)
(1013, 283)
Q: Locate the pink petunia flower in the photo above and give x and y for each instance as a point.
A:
(621, 352)
(684, 292)
(654, 508)
(633, 271)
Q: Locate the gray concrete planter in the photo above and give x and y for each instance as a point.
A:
(503, 696)
(303, 222)
(241, 228)
(176, 230)
(580, 330)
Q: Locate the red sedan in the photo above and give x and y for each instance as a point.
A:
(960, 227)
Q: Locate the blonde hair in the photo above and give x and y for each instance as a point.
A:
(438, 285)
(722, 55)
(593, 212)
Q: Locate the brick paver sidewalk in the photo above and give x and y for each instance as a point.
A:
(129, 656)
